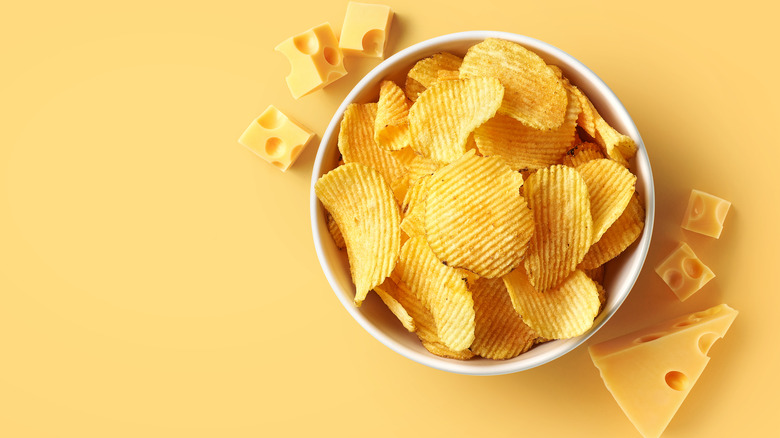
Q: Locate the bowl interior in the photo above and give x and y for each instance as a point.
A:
(373, 315)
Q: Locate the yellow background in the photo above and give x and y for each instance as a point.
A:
(158, 279)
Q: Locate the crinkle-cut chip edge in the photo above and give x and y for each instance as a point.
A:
(367, 270)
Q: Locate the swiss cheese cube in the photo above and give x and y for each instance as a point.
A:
(315, 60)
(276, 138)
(365, 31)
(683, 272)
(650, 372)
(705, 214)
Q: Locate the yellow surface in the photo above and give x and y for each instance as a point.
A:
(315, 59)
(705, 214)
(684, 272)
(365, 29)
(276, 138)
(651, 371)
(159, 279)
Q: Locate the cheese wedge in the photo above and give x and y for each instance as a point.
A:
(651, 371)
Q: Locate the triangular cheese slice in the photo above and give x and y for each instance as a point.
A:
(651, 371)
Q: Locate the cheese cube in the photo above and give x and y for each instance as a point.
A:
(315, 60)
(366, 29)
(276, 138)
(705, 214)
(650, 372)
(683, 272)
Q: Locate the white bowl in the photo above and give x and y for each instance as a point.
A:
(373, 315)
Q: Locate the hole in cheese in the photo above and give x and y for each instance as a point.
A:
(697, 209)
(307, 43)
(677, 380)
(648, 338)
(693, 267)
(278, 164)
(331, 55)
(271, 119)
(373, 41)
(274, 147)
(673, 278)
(706, 340)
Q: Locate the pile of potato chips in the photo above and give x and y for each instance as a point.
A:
(482, 201)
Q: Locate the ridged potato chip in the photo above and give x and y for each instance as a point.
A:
(616, 146)
(587, 117)
(618, 237)
(523, 147)
(391, 126)
(595, 274)
(500, 331)
(610, 186)
(582, 153)
(365, 210)
(619, 147)
(442, 350)
(447, 75)
(444, 115)
(388, 291)
(424, 324)
(475, 217)
(335, 233)
(562, 312)
(533, 93)
(558, 197)
(405, 156)
(425, 72)
(401, 186)
(442, 290)
(356, 142)
(421, 166)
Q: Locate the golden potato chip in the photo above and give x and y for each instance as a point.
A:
(424, 324)
(444, 116)
(421, 166)
(416, 195)
(587, 117)
(558, 197)
(356, 142)
(616, 146)
(387, 292)
(405, 156)
(618, 237)
(401, 187)
(562, 312)
(475, 217)
(595, 274)
(442, 290)
(333, 228)
(366, 212)
(440, 349)
(391, 127)
(582, 153)
(425, 72)
(413, 224)
(500, 331)
(523, 147)
(533, 93)
(610, 187)
(602, 296)
(447, 75)
(467, 275)
(619, 147)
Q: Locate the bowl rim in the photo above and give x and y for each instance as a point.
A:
(498, 367)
